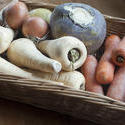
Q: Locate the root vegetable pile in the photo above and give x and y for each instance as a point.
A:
(110, 69)
(59, 46)
(23, 46)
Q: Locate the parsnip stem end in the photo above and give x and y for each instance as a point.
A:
(57, 67)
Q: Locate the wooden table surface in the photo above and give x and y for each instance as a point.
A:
(12, 113)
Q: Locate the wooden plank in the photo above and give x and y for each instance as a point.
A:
(108, 7)
(13, 113)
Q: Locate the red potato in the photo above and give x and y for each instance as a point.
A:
(118, 55)
(89, 69)
(117, 87)
(105, 68)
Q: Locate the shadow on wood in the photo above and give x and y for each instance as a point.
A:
(12, 113)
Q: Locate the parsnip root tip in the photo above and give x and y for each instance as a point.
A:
(57, 67)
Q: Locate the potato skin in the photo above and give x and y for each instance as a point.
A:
(92, 34)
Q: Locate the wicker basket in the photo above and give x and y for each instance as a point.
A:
(80, 104)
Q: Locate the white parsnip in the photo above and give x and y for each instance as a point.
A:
(73, 79)
(11, 69)
(8, 68)
(6, 37)
(69, 51)
(22, 52)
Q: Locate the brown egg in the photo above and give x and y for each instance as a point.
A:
(35, 27)
(15, 15)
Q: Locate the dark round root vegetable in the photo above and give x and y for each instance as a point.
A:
(81, 21)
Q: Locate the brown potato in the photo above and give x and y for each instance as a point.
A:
(15, 14)
(35, 27)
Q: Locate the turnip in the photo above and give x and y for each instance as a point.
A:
(22, 52)
(69, 51)
(6, 37)
(73, 79)
(81, 21)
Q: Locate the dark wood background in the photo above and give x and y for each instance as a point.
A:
(12, 113)
(109, 7)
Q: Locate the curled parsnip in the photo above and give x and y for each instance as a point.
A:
(22, 52)
(73, 79)
(11, 69)
(69, 51)
(6, 37)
